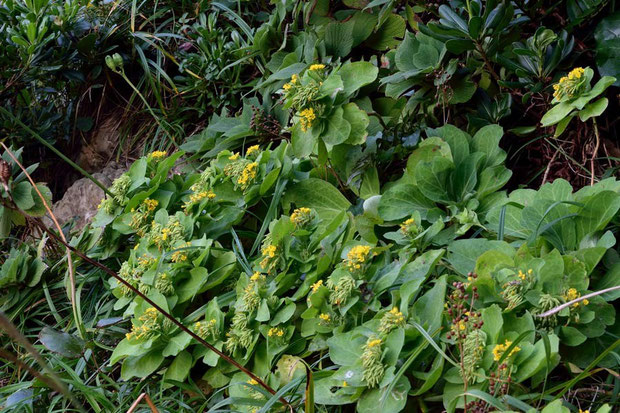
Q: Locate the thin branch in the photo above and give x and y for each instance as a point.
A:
(76, 316)
(576, 300)
(162, 311)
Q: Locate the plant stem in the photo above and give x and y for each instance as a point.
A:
(596, 146)
(148, 107)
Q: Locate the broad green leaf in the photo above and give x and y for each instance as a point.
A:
(432, 179)
(486, 140)
(556, 114)
(141, 366)
(401, 200)
(319, 195)
(62, 343)
(593, 109)
(357, 74)
(358, 119)
(22, 195)
(338, 129)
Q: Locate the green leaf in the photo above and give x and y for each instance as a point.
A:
(179, 368)
(319, 195)
(62, 343)
(22, 195)
(338, 129)
(486, 140)
(141, 366)
(391, 402)
(358, 119)
(338, 39)
(593, 109)
(303, 142)
(556, 114)
(432, 179)
(401, 200)
(607, 38)
(388, 34)
(357, 74)
(345, 349)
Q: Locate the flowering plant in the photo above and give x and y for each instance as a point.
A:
(573, 96)
(324, 113)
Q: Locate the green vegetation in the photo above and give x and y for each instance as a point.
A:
(331, 206)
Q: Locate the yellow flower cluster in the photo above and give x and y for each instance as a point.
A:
(257, 276)
(178, 256)
(404, 227)
(252, 382)
(251, 150)
(391, 320)
(500, 349)
(357, 257)
(568, 85)
(288, 86)
(205, 329)
(275, 332)
(523, 276)
(233, 157)
(572, 294)
(325, 317)
(149, 325)
(146, 261)
(306, 117)
(317, 67)
(317, 285)
(301, 216)
(269, 253)
(373, 343)
(247, 175)
(150, 204)
(157, 154)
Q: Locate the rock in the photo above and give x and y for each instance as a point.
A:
(81, 199)
(101, 144)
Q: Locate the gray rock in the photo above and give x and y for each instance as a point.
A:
(81, 200)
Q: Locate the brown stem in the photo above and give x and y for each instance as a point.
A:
(78, 324)
(487, 62)
(162, 311)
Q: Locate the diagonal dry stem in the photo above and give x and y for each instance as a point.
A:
(76, 316)
(162, 311)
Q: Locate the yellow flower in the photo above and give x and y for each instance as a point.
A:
(247, 175)
(576, 73)
(275, 332)
(345, 384)
(294, 79)
(157, 154)
(301, 216)
(306, 117)
(317, 67)
(287, 86)
(317, 285)
(356, 257)
(373, 343)
(569, 86)
(584, 411)
(500, 349)
(252, 149)
(151, 204)
(178, 256)
(252, 382)
(233, 157)
(270, 251)
(325, 317)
